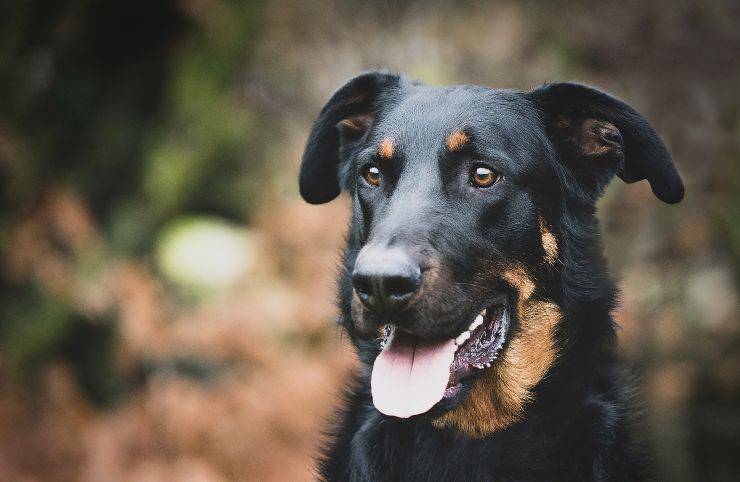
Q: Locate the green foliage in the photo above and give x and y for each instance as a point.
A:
(134, 107)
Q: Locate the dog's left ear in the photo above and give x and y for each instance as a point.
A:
(598, 135)
(343, 121)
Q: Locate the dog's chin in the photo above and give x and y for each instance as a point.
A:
(469, 354)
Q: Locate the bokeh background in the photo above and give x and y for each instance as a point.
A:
(166, 298)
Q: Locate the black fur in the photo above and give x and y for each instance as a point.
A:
(557, 147)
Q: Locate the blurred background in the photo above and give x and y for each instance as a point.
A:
(166, 298)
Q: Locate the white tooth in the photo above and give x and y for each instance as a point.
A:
(462, 338)
(488, 365)
(475, 324)
(389, 331)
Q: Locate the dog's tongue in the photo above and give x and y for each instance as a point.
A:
(408, 380)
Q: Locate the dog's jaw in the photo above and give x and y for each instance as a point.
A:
(498, 397)
(488, 392)
(403, 383)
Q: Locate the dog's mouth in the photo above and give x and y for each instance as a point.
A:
(410, 375)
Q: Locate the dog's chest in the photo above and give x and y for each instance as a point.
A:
(386, 449)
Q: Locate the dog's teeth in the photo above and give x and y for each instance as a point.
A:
(462, 338)
(389, 331)
(475, 324)
(488, 365)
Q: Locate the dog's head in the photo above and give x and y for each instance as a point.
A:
(469, 204)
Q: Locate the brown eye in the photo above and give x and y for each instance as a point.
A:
(483, 176)
(371, 175)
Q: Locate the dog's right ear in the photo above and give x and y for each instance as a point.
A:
(344, 120)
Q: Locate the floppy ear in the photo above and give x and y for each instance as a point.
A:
(598, 135)
(343, 121)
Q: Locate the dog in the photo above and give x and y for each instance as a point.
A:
(473, 284)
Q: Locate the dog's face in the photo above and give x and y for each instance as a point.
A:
(443, 184)
(461, 196)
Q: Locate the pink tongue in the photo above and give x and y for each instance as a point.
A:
(409, 380)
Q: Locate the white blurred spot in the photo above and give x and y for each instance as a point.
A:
(205, 252)
(712, 295)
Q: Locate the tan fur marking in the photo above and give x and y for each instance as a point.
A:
(386, 148)
(499, 396)
(549, 243)
(359, 123)
(594, 137)
(519, 279)
(457, 141)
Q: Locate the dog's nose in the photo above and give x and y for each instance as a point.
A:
(385, 279)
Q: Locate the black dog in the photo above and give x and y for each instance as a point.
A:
(473, 283)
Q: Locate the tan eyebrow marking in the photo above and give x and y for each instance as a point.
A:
(386, 148)
(457, 140)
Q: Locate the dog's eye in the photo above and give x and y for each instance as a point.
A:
(371, 175)
(483, 176)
